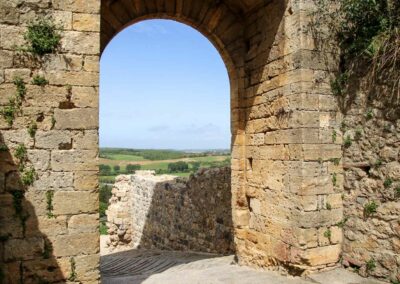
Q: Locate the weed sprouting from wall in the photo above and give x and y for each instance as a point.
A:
(49, 204)
(370, 208)
(42, 37)
(39, 81)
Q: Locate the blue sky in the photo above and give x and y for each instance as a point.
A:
(163, 85)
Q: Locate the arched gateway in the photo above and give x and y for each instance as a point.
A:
(283, 117)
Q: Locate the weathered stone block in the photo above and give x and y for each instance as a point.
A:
(322, 255)
(82, 6)
(76, 118)
(74, 160)
(87, 267)
(83, 224)
(80, 42)
(54, 181)
(86, 22)
(85, 97)
(85, 180)
(53, 139)
(40, 226)
(23, 249)
(75, 202)
(76, 244)
(73, 78)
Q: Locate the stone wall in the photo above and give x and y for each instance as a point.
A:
(371, 124)
(286, 214)
(166, 212)
(49, 230)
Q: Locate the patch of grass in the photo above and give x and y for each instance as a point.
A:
(328, 234)
(343, 222)
(49, 204)
(73, 275)
(42, 37)
(378, 163)
(21, 88)
(388, 182)
(32, 128)
(370, 208)
(370, 264)
(335, 161)
(103, 228)
(334, 179)
(9, 111)
(369, 114)
(39, 81)
(347, 141)
(47, 250)
(397, 192)
(328, 206)
(21, 153)
(28, 177)
(334, 136)
(53, 122)
(358, 134)
(338, 85)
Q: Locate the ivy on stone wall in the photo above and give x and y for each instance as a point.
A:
(368, 33)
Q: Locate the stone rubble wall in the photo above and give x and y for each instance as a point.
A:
(63, 151)
(167, 212)
(372, 174)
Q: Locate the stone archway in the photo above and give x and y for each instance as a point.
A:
(279, 206)
(287, 175)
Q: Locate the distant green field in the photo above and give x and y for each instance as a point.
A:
(125, 157)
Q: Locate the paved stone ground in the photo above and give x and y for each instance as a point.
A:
(168, 267)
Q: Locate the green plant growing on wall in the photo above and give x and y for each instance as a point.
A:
(39, 81)
(370, 208)
(378, 163)
(335, 161)
(358, 134)
(32, 128)
(347, 141)
(369, 114)
(334, 179)
(53, 122)
(388, 183)
(328, 234)
(72, 275)
(42, 37)
(328, 206)
(18, 196)
(9, 111)
(334, 136)
(21, 153)
(397, 192)
(370, 264)
(28, 177)
(21, 88)
(49, 204)
(47, 250)
(343, 222)
(3, 148)
(368, 31)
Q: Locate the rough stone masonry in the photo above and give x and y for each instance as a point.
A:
(287, 209)
(167, 212)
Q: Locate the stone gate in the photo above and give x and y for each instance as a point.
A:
(287, 173)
